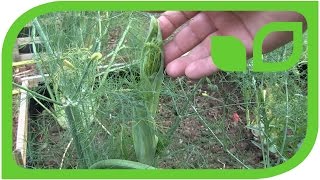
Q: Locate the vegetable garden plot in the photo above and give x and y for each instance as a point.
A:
(114, 108)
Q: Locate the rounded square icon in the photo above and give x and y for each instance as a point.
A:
(223, 60)
(88, 95)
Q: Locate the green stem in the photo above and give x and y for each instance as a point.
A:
(258, 119)
(37, 94)
(80, 135)
(44, 107)
(35, 22)
(77, 91)
(119, 164)
(33, 33)
(75, 134)
(287, 110)
(114, 55)
(99, 31)
(287, 120)
(151, 78)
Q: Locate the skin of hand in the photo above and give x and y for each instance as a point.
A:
(188, 53)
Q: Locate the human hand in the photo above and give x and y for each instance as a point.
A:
(194, 38)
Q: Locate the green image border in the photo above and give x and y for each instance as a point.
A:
(10, 170)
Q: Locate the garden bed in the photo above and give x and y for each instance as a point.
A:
(211, 123)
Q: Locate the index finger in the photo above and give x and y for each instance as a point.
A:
(171, 20)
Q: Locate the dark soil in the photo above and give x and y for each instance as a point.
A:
(193, 144)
